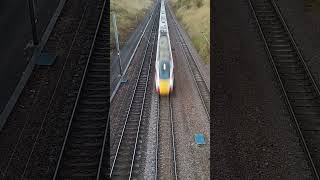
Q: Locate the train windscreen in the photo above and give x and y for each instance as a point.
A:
(164, 71)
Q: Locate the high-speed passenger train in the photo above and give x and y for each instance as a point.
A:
(164, 62)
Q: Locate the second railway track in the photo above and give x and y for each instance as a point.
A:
(201, 85)
(300, 90)
(123, 162)
(82, 149)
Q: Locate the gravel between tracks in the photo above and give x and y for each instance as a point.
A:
(253, 136)
(149, 171)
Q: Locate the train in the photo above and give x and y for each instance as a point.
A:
(164, 76)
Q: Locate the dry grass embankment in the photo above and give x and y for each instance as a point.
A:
(129, 13)
(194, 15)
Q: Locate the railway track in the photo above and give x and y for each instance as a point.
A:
(300, 90)
(82, 150)
(196, 73)
(122, 166)
(166, 167)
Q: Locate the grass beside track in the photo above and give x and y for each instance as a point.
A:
(194, 15)
(129, 14)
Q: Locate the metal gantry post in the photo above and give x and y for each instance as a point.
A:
(117, 41)
(33, 22)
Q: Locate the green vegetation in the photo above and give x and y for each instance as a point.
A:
(129, 13)
(313, 4)
(194, 15)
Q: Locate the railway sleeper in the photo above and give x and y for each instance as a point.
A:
(269, 29)
(73, 174)
(90, 124)
(97, 89)
(93, 125)
(306, 104)
(94, 76)
(95, 67)
(92, 110)
(273, 32)
(83, 117)
(86, 95)
(268, 23)
(296, 87)
(265, 14)
(294, 77)
(293, 71)
(277, 40)
(302, 82)
(303, 117)
(125, 151)
(91, 144)
(283, 50)
(120, 172)
(304, 97)
(80, 174)
(283, 53)
(97, 83)
(80, 164)
(313, 127)
(98, 59)
(300, 90)
(101, 86)
(100, 43)
(98, 69)
(94, 102)
(88, 133)
(94, 152)
(287, 60)
(307, 110)
(267, 19)
(99, 64)
(131, 128)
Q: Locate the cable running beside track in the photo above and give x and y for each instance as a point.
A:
(84, 141)
(300, 90)
(196, 73)
(125, 155)
(166, 166)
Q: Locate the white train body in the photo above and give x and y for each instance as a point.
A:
(164, 62)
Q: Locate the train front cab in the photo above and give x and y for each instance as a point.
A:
(164, 79)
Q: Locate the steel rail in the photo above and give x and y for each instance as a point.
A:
(284, 91)
(157, 139)
(134, 95)
(173, 140)
(103, 147)
(175, 174)
(80, 90)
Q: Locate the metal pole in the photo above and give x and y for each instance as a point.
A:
(117, 41)
(33, 22)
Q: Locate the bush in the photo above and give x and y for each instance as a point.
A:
(199, 3)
